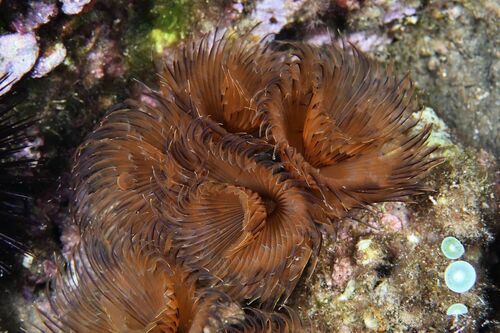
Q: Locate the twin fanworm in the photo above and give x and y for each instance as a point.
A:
(199, 205)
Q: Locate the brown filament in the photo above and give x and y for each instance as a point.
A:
(246, 223)
(135, 287)
(116, 287)
(346, 128)
(122, 169)
(222, 76)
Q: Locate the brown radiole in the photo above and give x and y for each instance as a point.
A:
(198, 205)
(121, 285)
(222, 76)
(347, 128)
(246, 223)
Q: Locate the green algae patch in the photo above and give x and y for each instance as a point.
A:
(172, 19)
(154, 27)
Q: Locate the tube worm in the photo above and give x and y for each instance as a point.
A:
(120, 170)
(185, 169)
(222, 76)
(249, 225)
(346, 127)
(220, 195)
(117, 285)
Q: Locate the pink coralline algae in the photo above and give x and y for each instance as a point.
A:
(46, 63)
(273, 15)
(398, 12)
(343, 270)
(348, 4)
(104, 59)
(18, 54)
(72, 7)
(366, 41)
(19, 51)
(320, 39)
(39, 13)
(396, 218)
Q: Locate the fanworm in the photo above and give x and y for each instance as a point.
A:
(199, 204)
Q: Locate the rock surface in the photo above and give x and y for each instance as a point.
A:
(379, 270)
(455, 56)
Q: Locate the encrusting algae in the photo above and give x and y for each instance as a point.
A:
(199, 205)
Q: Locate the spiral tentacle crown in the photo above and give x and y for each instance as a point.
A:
(199, 205)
